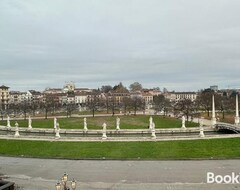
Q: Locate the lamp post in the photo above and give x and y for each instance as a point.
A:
(63, 185)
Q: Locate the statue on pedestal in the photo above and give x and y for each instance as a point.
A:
(16, 130)
(85, 124)
(104, 131)
(183, 122)
(118, 123)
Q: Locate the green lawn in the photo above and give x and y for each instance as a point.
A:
(194, 149)
(127, 122)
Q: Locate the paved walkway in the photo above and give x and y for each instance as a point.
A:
(42, 174)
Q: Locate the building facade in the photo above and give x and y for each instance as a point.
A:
(178, 96)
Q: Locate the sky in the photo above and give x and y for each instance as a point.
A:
(182, 45)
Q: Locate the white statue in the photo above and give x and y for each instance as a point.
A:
(57, 131)
(85, 124)
(104, 131)
(153, 131)
(29, 123)
(118, 123)
(16, 130)
(183, 122)
(150, 122)
(55, 123)
(201, 128)
(8, 122)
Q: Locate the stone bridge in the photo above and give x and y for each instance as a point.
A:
(228, 126)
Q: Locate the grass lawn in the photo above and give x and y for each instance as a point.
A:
(127, 122)
(195, 149)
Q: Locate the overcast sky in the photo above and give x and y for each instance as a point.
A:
(183, 45)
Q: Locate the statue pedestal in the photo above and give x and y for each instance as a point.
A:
(153, 135)
(201, 133)
(183, 127)
(236, 120)
(57, 136)
(104, 136)
(214, 122)
(16, 133)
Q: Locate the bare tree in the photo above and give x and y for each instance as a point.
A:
(70, 107)
(136, 86)
(204, 100)
(112, 104)
(25, 107)
(138, 103)
(106, 88)
(126, 104)
(48, 104)
(33, 107)
(14, 108)
(161, 104)
(185, 107)
(93, 102)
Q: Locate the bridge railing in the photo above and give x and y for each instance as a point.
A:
(235, 128)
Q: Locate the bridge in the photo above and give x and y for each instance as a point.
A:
(228, 126)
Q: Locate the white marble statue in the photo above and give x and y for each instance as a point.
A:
(16, 130)
(29, 123)
(183, 122)
(8, 122)
(55, 123)
(85, 124)
(150, 122)
(118, 123)
(57, 130)
(104, 131)
(153, 135)
(201, 134)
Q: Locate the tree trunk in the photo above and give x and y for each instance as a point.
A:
(25, 115)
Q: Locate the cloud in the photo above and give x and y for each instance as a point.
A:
(181, 45)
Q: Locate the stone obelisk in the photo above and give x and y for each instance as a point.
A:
(214, 121)
(237, 111)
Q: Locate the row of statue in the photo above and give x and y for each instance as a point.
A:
(55, 125)
(104, 130)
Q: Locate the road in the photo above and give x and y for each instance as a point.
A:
(38, 174)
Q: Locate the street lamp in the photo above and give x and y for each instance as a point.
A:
(63, 185)
(58, 186)
(73, 184)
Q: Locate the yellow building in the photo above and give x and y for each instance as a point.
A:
(4, 97)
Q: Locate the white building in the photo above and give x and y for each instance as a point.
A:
(177, 96)
(69, 87)
(148, 98)
(53, 91)
(81, 98)
(16, 97)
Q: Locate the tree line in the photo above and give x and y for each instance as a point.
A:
(109, 104)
